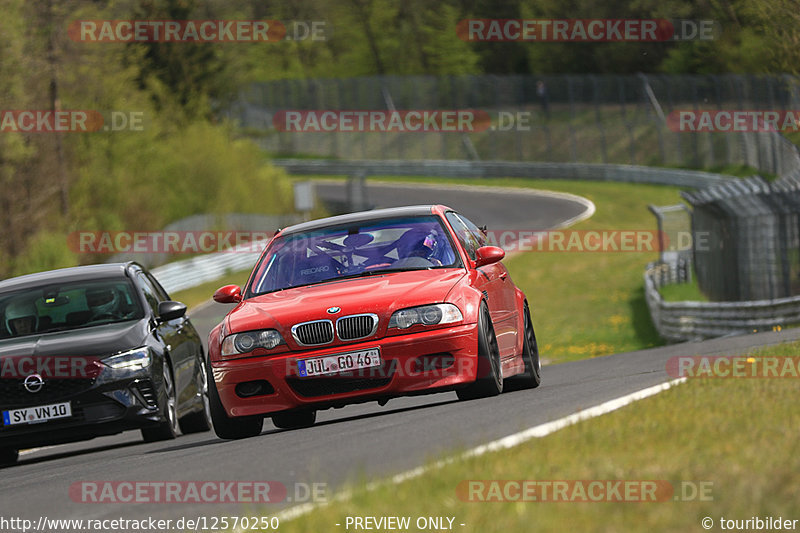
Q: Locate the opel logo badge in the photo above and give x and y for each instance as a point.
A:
(33, 383)
(334, 310)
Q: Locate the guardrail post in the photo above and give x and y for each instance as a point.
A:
(357, 191)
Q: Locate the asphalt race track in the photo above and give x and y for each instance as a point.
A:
(364, 439)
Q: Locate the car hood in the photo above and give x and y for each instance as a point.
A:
(92, 341)
(381, 294)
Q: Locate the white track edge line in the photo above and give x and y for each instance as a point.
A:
(515, 439)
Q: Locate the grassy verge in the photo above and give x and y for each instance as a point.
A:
(734, 438)
(683, 291)
(202, 293)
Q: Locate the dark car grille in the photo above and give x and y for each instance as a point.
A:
(310, 388)
(92, 408)
(13, 393)
(356, 326)
(313, 333)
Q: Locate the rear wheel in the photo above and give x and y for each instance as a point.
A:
(227, 427)
(199, 421)
(295, 419)
(168, 429)
(489, 381)
(532, 377)
(8, 456)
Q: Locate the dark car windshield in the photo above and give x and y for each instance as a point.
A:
(409, 243)
(59, 307)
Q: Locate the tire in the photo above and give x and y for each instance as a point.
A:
(168, 429)
(489, 381)
(294, 419)
(8, 457)
(199, 421)
(227, 427)
(532, 377)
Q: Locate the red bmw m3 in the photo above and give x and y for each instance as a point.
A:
(366, 307)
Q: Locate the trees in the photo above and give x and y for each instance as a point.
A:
(51, 184)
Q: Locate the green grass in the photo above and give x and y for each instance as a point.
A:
(738, 437)
(202, 293)
(680, 292)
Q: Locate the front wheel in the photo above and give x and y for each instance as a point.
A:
(489, 381)
(532, 377)
(199, 421)
(227, 427)
(168, 429)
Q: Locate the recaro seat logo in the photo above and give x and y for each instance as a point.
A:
(314, 270)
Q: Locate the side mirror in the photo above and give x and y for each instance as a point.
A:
(488, 255)
(229, 294)
(170, 310)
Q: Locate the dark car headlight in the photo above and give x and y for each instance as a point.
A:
(427, 315)
(246, 342)
(137, 359)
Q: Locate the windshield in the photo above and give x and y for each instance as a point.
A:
(59, 307)
(410, 243)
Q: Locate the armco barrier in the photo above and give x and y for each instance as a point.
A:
(687, 321)
(504, 169)
(192, 272)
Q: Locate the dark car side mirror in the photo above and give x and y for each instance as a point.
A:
(229, 294)
(486, 255)
(170, 310)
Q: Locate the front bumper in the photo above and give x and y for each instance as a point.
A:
(99, 407)
(408, 368)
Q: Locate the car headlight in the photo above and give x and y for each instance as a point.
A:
(248, 341)
(131, 360)
(427, 315)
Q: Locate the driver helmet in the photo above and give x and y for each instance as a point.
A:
(21, 317)
(102, 301)
(427, 246)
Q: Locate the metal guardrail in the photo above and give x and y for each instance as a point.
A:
(192, 272)
(188, 273)
(504, 169)
(689, 321)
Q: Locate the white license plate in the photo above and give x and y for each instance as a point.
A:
(31, 415)
(333, 364)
